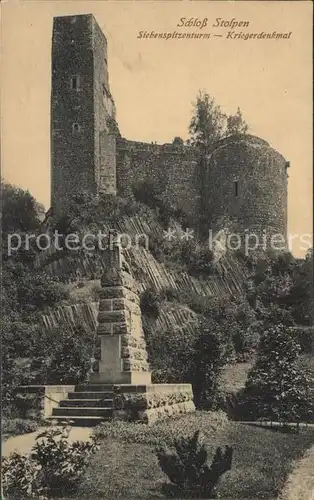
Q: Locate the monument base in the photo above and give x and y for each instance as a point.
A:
(131, 377)
(153, 402)
(93, 403)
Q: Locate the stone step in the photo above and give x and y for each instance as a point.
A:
(82, 412)
(94, 388)
(90, 395)
(79, 421)
(90, 403)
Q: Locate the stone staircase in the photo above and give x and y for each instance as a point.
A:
(87, 405)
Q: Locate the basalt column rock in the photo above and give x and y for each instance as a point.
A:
(123, 348)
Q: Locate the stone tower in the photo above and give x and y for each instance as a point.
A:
(82, 111)
(247, 187)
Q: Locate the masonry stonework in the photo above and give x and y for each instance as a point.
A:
(247, 187)
(241, 185)
(81, 105)
(123, 358)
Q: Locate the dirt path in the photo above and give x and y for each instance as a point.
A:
(300, 483)
(25, 442)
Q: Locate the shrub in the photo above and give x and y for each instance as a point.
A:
(188, 470)
(20, 476)
(276, 389)
(305, 337)
(18, 426)
(149, 303)
(53, 467)
(193, 355)
(164, 431)
(70, 357)
(199, 260)
(209, 357)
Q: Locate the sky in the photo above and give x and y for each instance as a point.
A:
(155, 81)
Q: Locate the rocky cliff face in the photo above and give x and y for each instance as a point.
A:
(83, 270)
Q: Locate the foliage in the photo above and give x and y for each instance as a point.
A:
(305, 337)
(171, 355)
(15, 372)
(165, 431)
(19, 210)
(285, 283)
(18, 426)
(190, 355)
(85, 212)
(238, 320)
(34, 355)
(26, 290)
(276, 389)
(113, 126)
(236, 124)
(54, 466)
(197, 257)
(152, 192)
(178, 141)
(223, 331)
(301, 296)
(188, 470)
(70, 356)
(208, 360)
(262, 458)
(193, 257)
(20, 477)
(149, 303)
(207, 122)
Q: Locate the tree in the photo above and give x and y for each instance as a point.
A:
(208, 360)
(236, 124)
(276, 389)
(301, 296)
(207, 123)
(177, 141)
(71, 356)
(285, 283)
(19, 210)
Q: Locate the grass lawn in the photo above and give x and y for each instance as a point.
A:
(126, 467)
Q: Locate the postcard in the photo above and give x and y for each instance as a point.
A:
(157, 249)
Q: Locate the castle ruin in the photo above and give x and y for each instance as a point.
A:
(245, 183)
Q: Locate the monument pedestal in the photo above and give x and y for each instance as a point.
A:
(123, 361)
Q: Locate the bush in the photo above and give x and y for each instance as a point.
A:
(71, 356)
(18, 426)
(209, 357)
(149, 303)
(305, 337)
(163, 431)
(192, 355)
(188, 470)
(276, 389)
(53, 467)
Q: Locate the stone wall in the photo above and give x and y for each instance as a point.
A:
(104, 110)
(247, 186)
(173, 168)
(38, 401)
(81, 153)
(243, 183)
(153, 402)
(123, 356)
